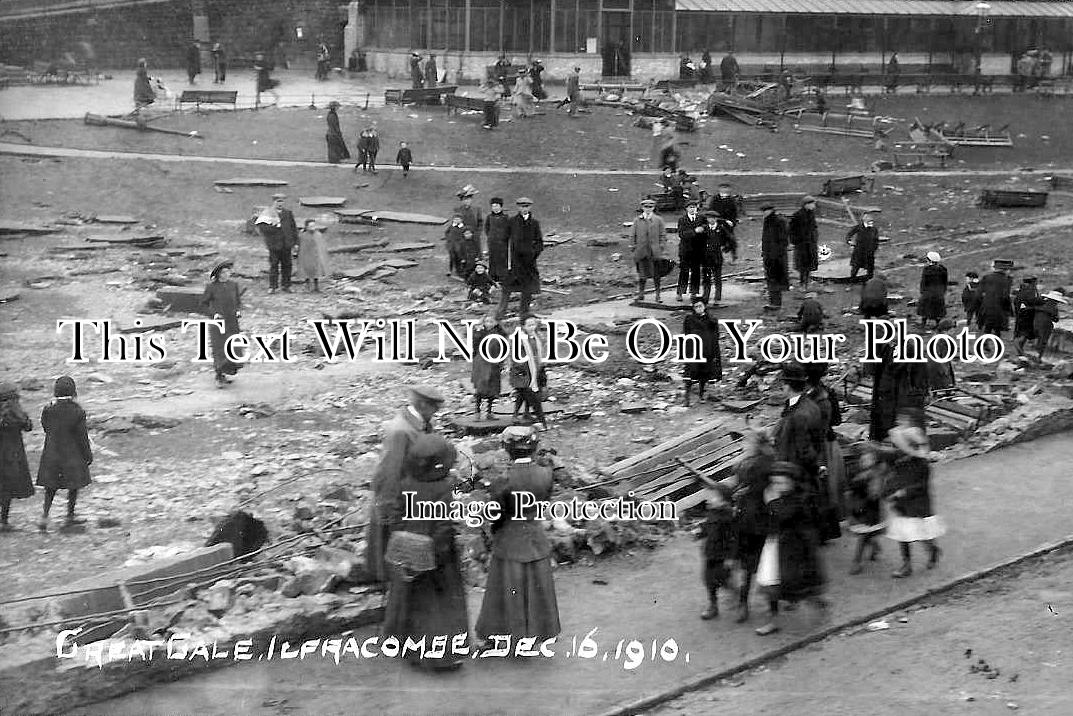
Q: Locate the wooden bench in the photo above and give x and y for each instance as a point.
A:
(676, 84)
(200, 97)
(620, 87)
(425, 95)
(843, 185)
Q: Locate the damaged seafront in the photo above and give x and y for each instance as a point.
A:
(293, 444)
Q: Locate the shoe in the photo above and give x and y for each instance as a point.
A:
(42, 525)
(905, 570)
(71, 521)
(658, 299)
(856, 568)
(743, 614)
(769, 628)
(712, 612)
(936, 552)
(678, 297)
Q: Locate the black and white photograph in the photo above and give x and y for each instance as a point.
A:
(565, 357)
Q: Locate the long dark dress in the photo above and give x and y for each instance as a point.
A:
(895, 385)
(933, 280)
(708, 329)
(720, 544)
(434, 602)
(912, 517)
(486, 376)
(804, 236)
(143, 91)
(497, 233)
(66, 457)
(752, 473)
(995, 304)
(222, 297)
(519, 597)
(791, 528)
(337, 149)
(1043, 322)
(15, 481)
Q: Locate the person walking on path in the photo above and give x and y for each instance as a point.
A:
(773, 247)
(496, 234)
(912, 517)
(894, 71)
(864, 238)
(995, 304)
(404, 158)
(649, 242)
(400, 434)
(519, 596)
(710, 367)
(67, 455)
(263, 70)
(864, 496)
(525, 243)
(323, 57)
(417, 77)
(692, 232)
(832, 472)
(15, 480)
(789, 568)
(895, 385)
(804, 236)
(193, 61)
(485, 375)
(427, 596)
(1025, 302)
(751, 479)
(313, 265)
(720, 548)
(337, 149)
(523, 96)
(280, 233)
(536, 72)
(223, 301)
(368, 147)
(527, 374)
(933, 284)
(219, 64)
(573, 92)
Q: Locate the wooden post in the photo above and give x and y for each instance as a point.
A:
(502, 10)
(551, 26)
(674, 32)
(467, 19)
(931, 41)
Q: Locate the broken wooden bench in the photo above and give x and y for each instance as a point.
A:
(425, 95)
(200, 97)
(995, 198)
(460, 103)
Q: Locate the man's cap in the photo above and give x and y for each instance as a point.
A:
(794, 372)
(64, 387)
(648, 202)
(468, 190)
(219, 267)
(809, 199)
(712, 215)
(692, 202)
(934, 257)
(496, 200)
(1055, 296)
(279, 196)
(519, 436)
(1029, 279)
(426, 393)
(523, 201)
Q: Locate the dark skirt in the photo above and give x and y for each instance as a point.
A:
(931, 307)
(519, 600)
(15, 480)
(433, 604)
(337, 149)
(1024, 324)
(704, 372)
(220, 362)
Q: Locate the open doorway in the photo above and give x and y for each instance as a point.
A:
(615, 48)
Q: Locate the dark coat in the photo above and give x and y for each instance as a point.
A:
(753, 474)
(649, 238)
(933, 280)
(497, 234)
(337, 149)
(404, 157)
(486, 377)
(896, 385)
(728, 68)
(1044, 320)
(865, 241)
(774, 241)
(66, 457)
(223, 298)
(692, 234)
(717, 243)
(285, 236)
(432, 73)
(970, 300)
(525, 243)
(471, 219)
(708, 329)
(368, 143)
(912, 474)
(720, 537)
(1024, 306)
(143, 91)
(995, 304)
(15, 481)
(874, 297)
(800, 435)
(804, 236)
(791, 521)
(193, 60)
(416, 75)
(520, 537)
(727, 206)
(810, 314)
(830, 408)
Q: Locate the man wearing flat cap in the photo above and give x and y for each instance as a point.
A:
(649, 243)
(804, 236)
(995, 304)
(773, 246)
(525, 243)
(400, 434)
(864, 238)
(280, 233)
(692, 233)
(719, 239)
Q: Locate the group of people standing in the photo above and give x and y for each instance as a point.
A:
(729, 70)
(423, 74)
(418, 559)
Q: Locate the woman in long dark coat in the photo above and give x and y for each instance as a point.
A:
(804, 237)
(933, 280)
(519, 597)
(222, 301)
(143, 91)
(789, 568)
(751, 473)
(432, 603)
(487, 377)
(995, 304)
(15, 481)
(497, 234)
(699, 323)
(895, 385)
(67, 455)
(337, 149)
(829, 500)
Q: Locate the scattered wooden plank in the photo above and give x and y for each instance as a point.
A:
(158, 326)
(249, 181)
(18, 227)
(660, 306)
(410, 246)
(130, 240)
(474, 425)
(115, 219)
(322, 201)
(10, 297)
(399, 263)
(355, 248)
(403, 217)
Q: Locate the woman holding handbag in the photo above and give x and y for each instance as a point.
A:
(427, 597)
(527, 374)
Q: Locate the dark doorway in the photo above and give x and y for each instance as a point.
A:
(616, 44)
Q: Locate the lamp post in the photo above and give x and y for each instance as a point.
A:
(983, 11)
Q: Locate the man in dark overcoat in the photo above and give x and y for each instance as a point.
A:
(727, 206)
(399, 436)
(718, 240)
(800, 433)
(995, 304)
(193, 60)
(773, 246)
(729, 71)
(496, 233)
(864, 238)
(692, 233)
(280, 234)
(804, 235)
(524, 246)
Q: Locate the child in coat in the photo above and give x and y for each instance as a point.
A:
(970, 296)
(864, 497)
(455, 236)
(1045, 318)
(480, 283)
(15, 482)
(810, 315)
(486, 376)
(404, 159)
(66, 457)
(720, 545)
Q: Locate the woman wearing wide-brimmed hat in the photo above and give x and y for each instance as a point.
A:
(427, 597)
(15, 481)
(222, 300)
(519, 597)
(337, 149)
(908, 491)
